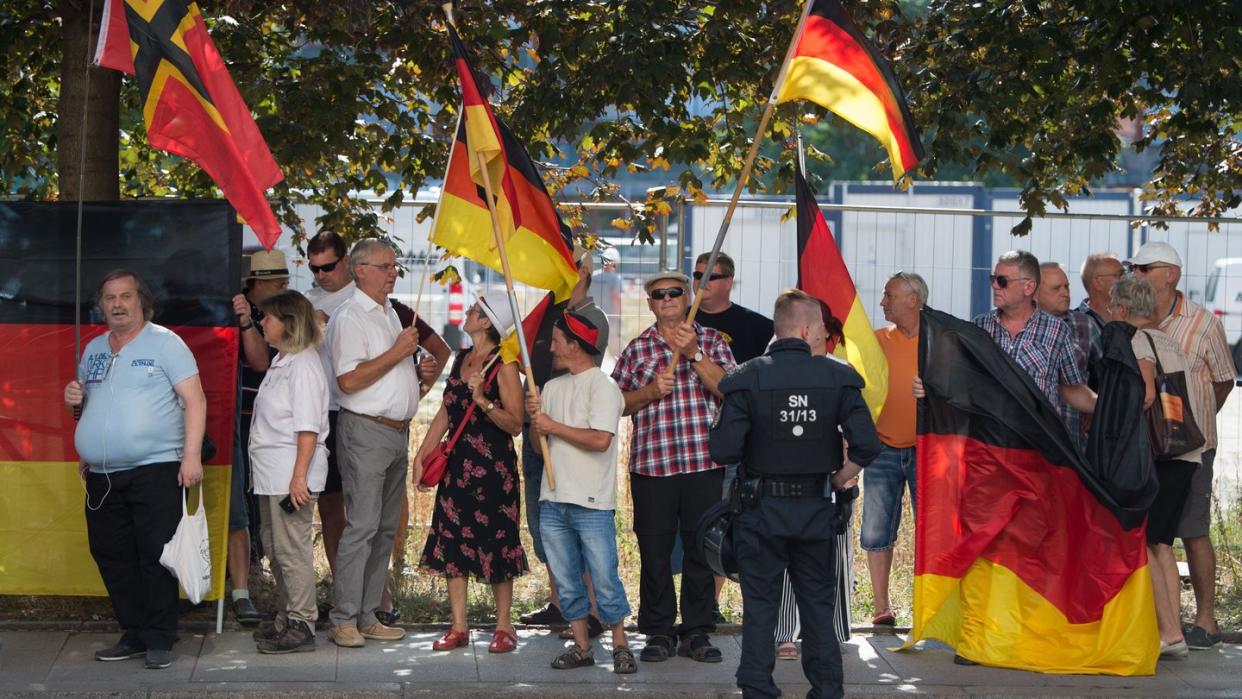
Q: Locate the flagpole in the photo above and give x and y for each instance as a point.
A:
(447, 164)
(744, 177)
(513, 307)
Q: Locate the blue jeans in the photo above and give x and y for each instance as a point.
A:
(532, 478)
(882, 485)
(578, 539)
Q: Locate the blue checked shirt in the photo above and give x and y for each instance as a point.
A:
(1044, 347)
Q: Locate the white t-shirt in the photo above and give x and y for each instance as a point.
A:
(589, 399)
(292, 398)
(362, 330)
(329, 302)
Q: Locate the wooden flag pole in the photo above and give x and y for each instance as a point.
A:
(504, 265)
(513, 306)
(744, 177)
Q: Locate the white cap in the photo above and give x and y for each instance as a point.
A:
(1156, 251)
(610, 256)
(498, 311)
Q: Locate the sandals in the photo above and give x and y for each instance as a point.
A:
(700, 649)
(884, 617)
(622, 661)
(658, 649)
(574, 657)
(788, 651)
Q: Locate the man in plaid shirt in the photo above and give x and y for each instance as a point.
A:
(672, 478)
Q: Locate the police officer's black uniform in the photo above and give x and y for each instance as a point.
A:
(780, 417)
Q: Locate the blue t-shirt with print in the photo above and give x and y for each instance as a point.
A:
(132, 416)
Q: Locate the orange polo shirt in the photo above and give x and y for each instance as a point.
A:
(896, 423)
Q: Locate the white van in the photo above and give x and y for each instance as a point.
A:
(1223, 297)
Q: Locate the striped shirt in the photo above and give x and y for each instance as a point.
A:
(1202, 338)
(1044, 348)
(670, 434)
(1088, 350)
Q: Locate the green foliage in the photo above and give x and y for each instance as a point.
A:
(359, 96)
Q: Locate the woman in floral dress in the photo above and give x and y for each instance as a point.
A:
(474, 531)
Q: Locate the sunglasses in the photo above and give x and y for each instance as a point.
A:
(698, 276)
(326, 267)
(1004, 282)
(669, 293)
(1147, 267)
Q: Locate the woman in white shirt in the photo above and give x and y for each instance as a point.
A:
(1133, 301)
(289, 465)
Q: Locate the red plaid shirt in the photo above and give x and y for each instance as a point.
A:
(670, 434)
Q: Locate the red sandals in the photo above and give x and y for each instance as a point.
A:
(452, 639)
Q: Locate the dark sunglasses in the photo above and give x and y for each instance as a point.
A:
(316, 269)
(1144, 269)
(698, 276)
(669, 293)
(1004, 282)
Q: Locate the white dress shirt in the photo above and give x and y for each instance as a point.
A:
(293, 398)
(362, 330)
(329, 302)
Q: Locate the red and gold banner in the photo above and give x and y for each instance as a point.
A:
(538, 243)
(189, 102)
(822, 273)
(1022, 559)
(836, 67)
(189, 254)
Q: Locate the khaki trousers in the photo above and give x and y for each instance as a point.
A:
(289, 541)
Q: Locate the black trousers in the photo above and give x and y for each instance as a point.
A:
(664, 508)
(134, 518)
(797, 534)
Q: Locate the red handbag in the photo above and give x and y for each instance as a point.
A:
(435, 464)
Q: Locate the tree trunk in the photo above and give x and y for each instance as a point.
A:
(96, 131)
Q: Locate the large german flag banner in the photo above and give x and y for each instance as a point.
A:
(836, 67)
(1023, 558)
(189, 102)
(538, 243)
(189, 254)
(822, 273)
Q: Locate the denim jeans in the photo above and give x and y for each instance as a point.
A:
(578, 539)
(532, 479)
(882, 485)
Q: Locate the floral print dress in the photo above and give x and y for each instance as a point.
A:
(474, 531)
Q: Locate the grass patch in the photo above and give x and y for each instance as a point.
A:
(424, 599)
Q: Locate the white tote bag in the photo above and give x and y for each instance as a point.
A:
(188, 554)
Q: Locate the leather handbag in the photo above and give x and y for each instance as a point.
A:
(435, 464)
(1170, 422)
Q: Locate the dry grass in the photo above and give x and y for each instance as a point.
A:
(424, 599)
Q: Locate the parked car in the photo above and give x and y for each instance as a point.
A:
(1223, 297)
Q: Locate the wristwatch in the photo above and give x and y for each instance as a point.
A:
(247, 326)
(698, 357)
(491, 405)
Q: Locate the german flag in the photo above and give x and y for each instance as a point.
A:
(1023, 558)
(538, 243)
(189, 253)
(822, 274)
(189, 103)
(836, 67)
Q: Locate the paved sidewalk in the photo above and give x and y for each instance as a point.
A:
(60, 663)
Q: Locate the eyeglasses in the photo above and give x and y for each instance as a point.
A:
(326, 267)
(1147, 267)
(385, 268)
(669, 293)
(1004, 282)
(698, 276)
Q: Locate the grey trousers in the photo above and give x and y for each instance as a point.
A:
(374, 460)
(289, 542)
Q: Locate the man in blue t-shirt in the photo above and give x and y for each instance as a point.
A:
(139, 440)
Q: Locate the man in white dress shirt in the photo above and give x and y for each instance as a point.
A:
(373, 361)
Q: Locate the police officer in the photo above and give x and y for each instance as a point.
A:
(780, 419)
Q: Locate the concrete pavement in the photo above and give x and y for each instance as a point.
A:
(60, 663)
